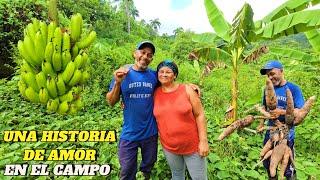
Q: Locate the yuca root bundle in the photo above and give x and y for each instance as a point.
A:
(270, 94)
(276, 147)
(280, 154)
(303, 112)
(55, 64)
(241, 123)
(271, 103)
(289, 117)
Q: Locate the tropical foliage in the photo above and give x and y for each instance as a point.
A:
(290, 18)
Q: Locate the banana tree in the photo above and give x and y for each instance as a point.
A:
(292, 17)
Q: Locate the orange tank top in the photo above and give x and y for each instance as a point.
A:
(176, 123)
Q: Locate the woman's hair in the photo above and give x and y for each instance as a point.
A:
(170, 64)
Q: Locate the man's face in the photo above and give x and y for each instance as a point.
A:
(143, 57)
(276, 76)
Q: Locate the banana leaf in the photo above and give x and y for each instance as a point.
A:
(289, 7)
(205, 38)
(217, 20)
(212, 53)
(291, 24)
(291, 54)
(242, 30)
(314, 39)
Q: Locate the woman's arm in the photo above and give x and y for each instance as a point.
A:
(198, 113)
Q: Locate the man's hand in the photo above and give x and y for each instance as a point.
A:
(195, 88)
(203, 148)
(120, 74)
(277, 112)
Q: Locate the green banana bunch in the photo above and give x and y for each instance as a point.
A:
(24, 53)
(76, 27)
(52, 87)
(75, 50)
(56, 60)
(85, 77)
(53, 104)
(88, 40)
(60, 85)
(49, 52)
(48, 69)
(30, 50)
(85, 59)
(78, 103)
(51, 28)
(26, 67)
(75, 78)
(69, 96)
(78, 61)
(73, 109)
(30, 79)
(31, 30)
(69, 71)
(44, 95)
(63, 107)
(57, 42)
(39, 43)
(35, 24)
(22, 88)
(66, 42)
(57, 39)
(41, 80)
(32, 95)
(44, 31)
(66, 58)
(54, 63)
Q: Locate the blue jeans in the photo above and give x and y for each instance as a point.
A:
(128, 151)
(196, 165)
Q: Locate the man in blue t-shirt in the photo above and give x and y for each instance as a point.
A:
(135, 85)
(274, 70)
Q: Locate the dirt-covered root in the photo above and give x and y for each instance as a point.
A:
(270, 94)
(261, 109)
(285, 160)
(277, 155)
(303, 112)
(260, 127)
(241, 123)
(289, 117)
(266, 148)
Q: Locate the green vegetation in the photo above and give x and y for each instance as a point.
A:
(233, 158)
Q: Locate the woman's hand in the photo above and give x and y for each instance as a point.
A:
(203, 148)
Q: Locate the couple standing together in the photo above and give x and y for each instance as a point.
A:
(154, 103)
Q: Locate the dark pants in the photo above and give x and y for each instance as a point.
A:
(290, 171)
(128, 151)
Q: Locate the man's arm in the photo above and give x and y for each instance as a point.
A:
(113, 96)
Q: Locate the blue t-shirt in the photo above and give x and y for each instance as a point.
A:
(298, 101)
(137, 91)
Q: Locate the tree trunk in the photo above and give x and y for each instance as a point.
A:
(128, 14)
(236, 53)
(234, 92)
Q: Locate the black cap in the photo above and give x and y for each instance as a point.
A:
(144, 44)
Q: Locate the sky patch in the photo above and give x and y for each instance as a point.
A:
(180, 4)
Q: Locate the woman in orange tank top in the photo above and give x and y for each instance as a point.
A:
(181, 124)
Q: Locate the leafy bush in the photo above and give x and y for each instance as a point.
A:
(14, 16)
